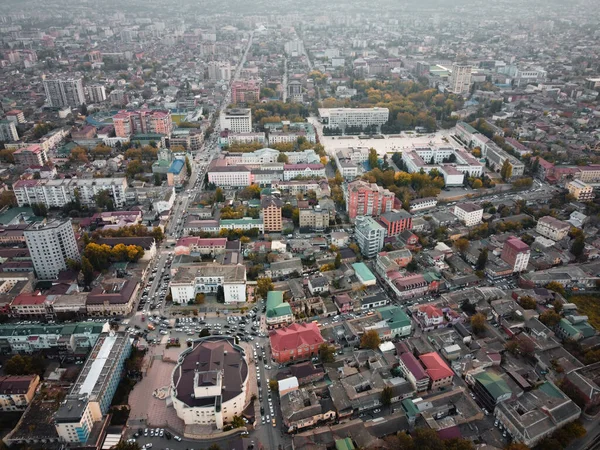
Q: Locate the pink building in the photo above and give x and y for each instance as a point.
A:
(245, 91)
(367, 199)
(142, 121)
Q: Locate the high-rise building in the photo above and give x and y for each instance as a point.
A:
(8, 131)
(67, 92)
(367, 199)
(219, 71)
(516, 253)
(34, 155)
(245, 91)
(118, 97)
(271, 211)
(344, 117)
(95, 93)
(460, 80)
(51, 244)
(238, 120)
(369, 235)
(142, 121)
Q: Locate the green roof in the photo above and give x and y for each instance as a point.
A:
(276, 307)
(243, 221)
(395, 317)
(551, 390)
(161, 163)
(493, 383)
(410, 407)
(468, 127)
(431, 276)
(363, 271)
(10, 214)
(65, 150)
(573, 329)
(344, 444)
(41, 329)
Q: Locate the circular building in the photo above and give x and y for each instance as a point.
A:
(210, 382)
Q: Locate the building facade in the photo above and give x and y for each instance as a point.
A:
(460, 79)
(8, 131)
(582, 192)
(367, 199)
(271, 212)
(552, 228)
(470, 214)
(143, 121)
(343, 117)
(208, 279)
(34, 155)
(369, 235)
(238, 120)
(516, 253)
(299, 341)
(64, 92)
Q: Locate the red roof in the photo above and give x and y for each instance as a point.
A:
(28, 299)
(436, 368)
(295, 336)
(431, 311)
(27, 183)
(201, 242)
(517, 244)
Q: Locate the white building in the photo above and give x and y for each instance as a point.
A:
(8, 131)
(469, 213)
(369, 235)
(95, 93)
(56, 193)
(453, 164)
(238, 120)
(68, 92)
(460, 79)
(553, 228)
(51, 244)
(210, 382)
(343, 117)
(291, 171)
(219, 71)
(206, 279)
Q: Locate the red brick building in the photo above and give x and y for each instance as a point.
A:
(299, 341)
(396, 222)
(367, 199)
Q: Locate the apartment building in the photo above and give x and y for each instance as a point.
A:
(228, 138)
(469, 213)
(193, 279)
(516, 254)
(396, 221)
(16, 116)
(143, 121)
(367, 199)
(16, 392)
(552, 228)
(31, 156)
(496, 157)
(190, 139)
(439, 373)
(90, 397)
(315, 218)
(229, 176)
(245, 91)
(369, 235)
(582, 192)
(64, 92)
(56, 193)
(95, 93)
(219, 71)
(460, 79)
(588, 174)
(8, 131)
(343, 117)
(291, 171)
(50, 245)
(238, 120)
(271, 213)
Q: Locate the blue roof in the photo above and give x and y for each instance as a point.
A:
(176, 166)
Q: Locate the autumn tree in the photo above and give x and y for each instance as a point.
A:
(326, 353)
(237, 422)
(219, 195)
(557, 287)
(550, 318)
(7, 198)
(506, 170)
(462, 245)
(104, 200)
(199, 299)
(478, 323)
(527, 302)
(370, 339)
(263, 286)
(87, 270)
(373, 158)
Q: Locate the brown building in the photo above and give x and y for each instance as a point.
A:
(16, 392)
(271, 211)
(112, 298)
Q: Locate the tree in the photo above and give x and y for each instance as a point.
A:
(204, 332)
(527, 302)
(219, 195)
(7, 198)
(264, 285)
(482, 259)
(199, 300)
(188, 166)
(87, 270)
(237, 422)
(104, 200)
(326, 353)
(282, 158)
(338, 260)
(462, 245)
(506, 170)
(23, 365)
(478, 323)
(386, 396)
(557, 287)
(250, 192)
(370, 339)
(550, 318)
(83, 110)
(124, 445)
(578, 247)
(39, 209)
(477, 184)
(373, 159)
(273, 385)
(157, 180)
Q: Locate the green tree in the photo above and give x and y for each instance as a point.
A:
(237, 422)
(157, 180)
(39, 209)
(578, 247)
(87, 270)
(7, 198)
(338, 260)
(506, 170)
(219, 195)
(273, 385)
(386, 396)
(557, 287)
(188, 166)
(264, 285)
(282, 158)
(23, 365)
(370, 339)
(104, 200)
(478, 323)
(550, 318)
(326, 353)
(482, 259)
(373, 158)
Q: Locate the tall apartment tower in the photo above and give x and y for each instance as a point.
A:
(238, 120)
(369, 235)
(68, 92)
(8, 131)
(219, 70)
(51, 244)
(95, 93)
(460, 80)
(271, 211)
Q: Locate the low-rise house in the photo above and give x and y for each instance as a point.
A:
(16, 392)
(284, 268)
(318, 285)
(364, 275)
(298, 342)
(373, 301)
(344, 303)
(414, 371)
(439, 373)
(301, 408)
